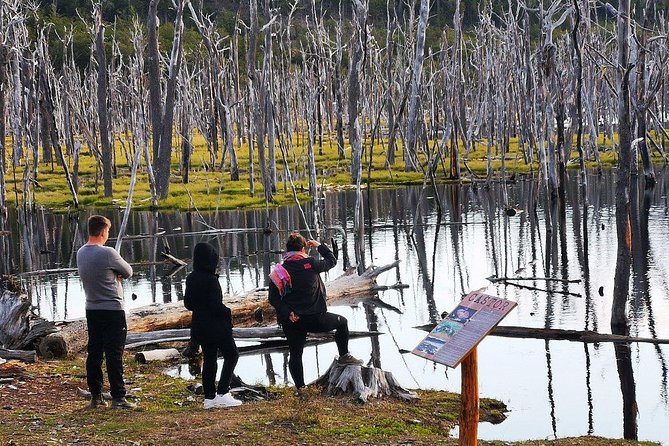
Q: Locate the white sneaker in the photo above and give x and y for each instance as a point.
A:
(227, 400)
(210, 403)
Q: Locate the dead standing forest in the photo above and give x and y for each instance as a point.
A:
(400, 90)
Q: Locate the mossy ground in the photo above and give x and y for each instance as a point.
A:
(42, 406)
(209, 188)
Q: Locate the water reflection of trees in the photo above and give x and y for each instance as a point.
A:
(580, 228)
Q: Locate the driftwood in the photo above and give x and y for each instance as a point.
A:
(21, 355)
(162, 354)
(495, 279)
(362, 382)
(509, 281)
(19, 327)
(170, 258)
(557, 334)
(348, 289)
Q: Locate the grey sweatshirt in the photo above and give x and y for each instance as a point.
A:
(99, 268)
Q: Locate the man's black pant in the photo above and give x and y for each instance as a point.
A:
(296, 334)
(107, 331)
(209, 365)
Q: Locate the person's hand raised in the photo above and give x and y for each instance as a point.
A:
(313, 244)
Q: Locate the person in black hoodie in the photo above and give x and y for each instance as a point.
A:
(211, 326)
(297, 293)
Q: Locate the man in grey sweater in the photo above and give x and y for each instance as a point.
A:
(101, 270)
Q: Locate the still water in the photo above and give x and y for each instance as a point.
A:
(448, 241)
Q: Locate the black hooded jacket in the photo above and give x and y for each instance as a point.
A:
(204, 297)
(307, 295)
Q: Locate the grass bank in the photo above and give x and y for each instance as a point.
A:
(42, 406)
(209, 188)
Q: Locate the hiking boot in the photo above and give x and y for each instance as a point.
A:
(97, 401)
(122, 403)
(348, 359)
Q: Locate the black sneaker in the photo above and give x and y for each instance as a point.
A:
(122, 403)
(348, 359)
(97, 401)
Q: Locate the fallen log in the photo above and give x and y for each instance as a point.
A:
(362, 382)
(21, 355)
(556, 334)
(170, 258)
(162, 354)
(348, 289)
(135, 340)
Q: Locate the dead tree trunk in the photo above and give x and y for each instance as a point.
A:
(103, 119)
(356, 64)
(21, 355)
(162, 113)
(3, 87)
(624, 253)
(411, 157)
(19, 327)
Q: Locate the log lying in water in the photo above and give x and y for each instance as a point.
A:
(21, 355)
(362, 382)
(560, 335)
(348, 289)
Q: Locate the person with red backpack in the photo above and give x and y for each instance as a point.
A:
(297, 292)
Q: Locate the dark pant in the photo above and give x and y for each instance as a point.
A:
(209, 365)
(296, 334)
(106, 335)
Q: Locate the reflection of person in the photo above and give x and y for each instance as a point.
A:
(297, 293)
(211, 326)
(101, 270)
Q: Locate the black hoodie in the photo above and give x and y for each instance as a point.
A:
(204, 297)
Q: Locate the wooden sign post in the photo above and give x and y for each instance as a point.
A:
(469, 399)
(454, 340)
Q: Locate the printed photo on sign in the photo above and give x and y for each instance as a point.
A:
(462, 314)
(446, 328)
(429, 346)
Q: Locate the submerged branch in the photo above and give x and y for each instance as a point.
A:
(556, 334)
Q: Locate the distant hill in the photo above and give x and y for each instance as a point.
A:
(442, 10)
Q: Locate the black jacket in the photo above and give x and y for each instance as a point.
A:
(307, 295)
(211, 319)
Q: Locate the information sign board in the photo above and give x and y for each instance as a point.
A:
(462, 330)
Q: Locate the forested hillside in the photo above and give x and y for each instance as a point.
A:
(225, 13)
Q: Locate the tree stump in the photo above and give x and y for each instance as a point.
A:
(362, 382)
(20, 328)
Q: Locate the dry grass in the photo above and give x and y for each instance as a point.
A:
(42, 406)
